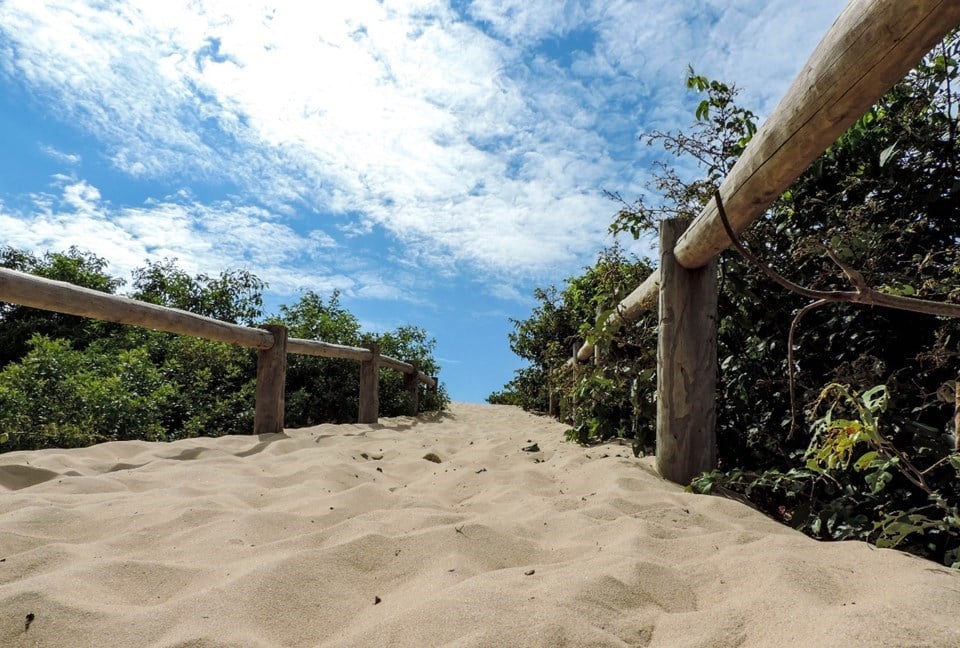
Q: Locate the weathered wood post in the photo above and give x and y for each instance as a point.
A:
(370, 386)
(551, 398)
(956, 417)
(574, 401)
(686, 364)
(271, 381)
(596, 349)
(411, 383)
(436, 389)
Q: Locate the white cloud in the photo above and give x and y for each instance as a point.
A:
(204, 238)
(529, 21)
(60, 156)
(462, 139)
(508, 292)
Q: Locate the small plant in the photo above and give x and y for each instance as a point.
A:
(835, 439)
(855, 483)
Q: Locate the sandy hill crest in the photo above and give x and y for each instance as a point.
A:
(347, 536)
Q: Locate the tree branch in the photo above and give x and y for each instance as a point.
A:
(862, 294)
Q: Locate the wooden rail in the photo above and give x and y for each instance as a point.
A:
(61, 297)
(271, 342)
(871, 46)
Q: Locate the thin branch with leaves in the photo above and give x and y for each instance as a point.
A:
(862, 294)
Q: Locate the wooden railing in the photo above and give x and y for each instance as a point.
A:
(871, 46)
(271, 342)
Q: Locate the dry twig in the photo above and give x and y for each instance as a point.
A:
(862, 294)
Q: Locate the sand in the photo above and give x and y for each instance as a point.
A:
(347, 536)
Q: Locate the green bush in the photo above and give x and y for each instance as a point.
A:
(884, 199)
(84, 382)
(60, 397)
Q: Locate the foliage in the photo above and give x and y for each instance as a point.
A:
(213, 386)
(326, 389)
(883, 197)
(321, 389)
(719, 135)
(412, 344)
(59, 396)
(78, 381)
(611, 396)
(877, 464)
(856, 484)
(19, 323)
(235, 296)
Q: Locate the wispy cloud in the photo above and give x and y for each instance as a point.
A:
(508, 292)
(60, 156)
(203, 237)
(480, 140)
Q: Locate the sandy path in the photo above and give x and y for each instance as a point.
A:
(292, 540)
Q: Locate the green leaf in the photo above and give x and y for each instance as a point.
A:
(893, 532)
(878, 480)
(888, 153)
(864, 461)
(813, 466)
(876, 398)
(703, 110)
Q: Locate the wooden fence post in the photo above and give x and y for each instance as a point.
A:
(596, 348)
(271, 381)
(370, 386)
(436, 390)
(551, 398)
(574, 401)
(686, 364)
(956, 416)
(411, 382)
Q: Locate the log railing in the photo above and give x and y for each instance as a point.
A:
(271, 342)
(871, 46)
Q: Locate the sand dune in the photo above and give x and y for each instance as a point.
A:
(347, 536)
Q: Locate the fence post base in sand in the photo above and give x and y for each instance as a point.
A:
(686, 364)
(436, 390)
(370, 386)
(411, 383)
(271, 382)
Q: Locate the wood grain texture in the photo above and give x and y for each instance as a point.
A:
(370, 386)
(411, 384)
(268, 413)
(868, 49)
(574, 400)
(398, 365)
(642, 299)
(327, 349)
(330, 350)
(871, 46)
(61, 297)
(956, 416)
(686, 364)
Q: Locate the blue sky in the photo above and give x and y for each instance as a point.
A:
(434, 160)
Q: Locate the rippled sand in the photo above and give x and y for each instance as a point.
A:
(347, 536)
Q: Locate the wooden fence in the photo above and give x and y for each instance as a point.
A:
(271, 342)
(869, 48)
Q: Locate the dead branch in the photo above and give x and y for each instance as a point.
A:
(791, 366)
(862, 294)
